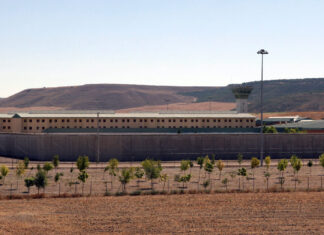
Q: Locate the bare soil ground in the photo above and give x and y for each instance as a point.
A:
(227, 213)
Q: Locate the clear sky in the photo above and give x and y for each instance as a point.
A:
(158, 42)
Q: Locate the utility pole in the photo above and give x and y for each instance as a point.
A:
(261, 52)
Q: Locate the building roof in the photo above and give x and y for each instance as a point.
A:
(304, 124)
(134, 115)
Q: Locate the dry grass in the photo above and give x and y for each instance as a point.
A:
(250, 213)
(202, 106)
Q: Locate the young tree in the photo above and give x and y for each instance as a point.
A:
(200, 162)
(292, 161)
(310, 164)
(20, 170)
(297, 166)
(220, 165)
(321, 160)
(254, 163)
(29, 182)
(208, 167)
(56, 161)
(267, 161)
(239, 158)
(152, 170)
(26, 162)
(267, 176)
(213, 160)
(112, 168)
(164, 178)
(139, 173)
(58, 176)
(82, 163)
(191, 165)
(83, 176)
(125, 177)
(4, 172)
(225, 182)
(241, 172)
(40, 180)
(282, 165)
(47, 167)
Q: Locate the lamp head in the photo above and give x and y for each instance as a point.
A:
(263, 52)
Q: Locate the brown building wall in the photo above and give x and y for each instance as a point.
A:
(38, 125)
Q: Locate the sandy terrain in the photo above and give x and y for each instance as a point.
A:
(242, 213)
(203, 106)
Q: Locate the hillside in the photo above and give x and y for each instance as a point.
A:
(294, 95)
(100, 96)
(279, 95)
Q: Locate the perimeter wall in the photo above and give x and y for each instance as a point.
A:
(135, 147)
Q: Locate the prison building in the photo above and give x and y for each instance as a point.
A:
(38, 122)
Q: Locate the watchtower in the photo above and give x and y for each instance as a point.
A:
(242, 93)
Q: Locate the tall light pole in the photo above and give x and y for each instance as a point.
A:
(261, 52)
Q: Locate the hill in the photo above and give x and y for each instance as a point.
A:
(100, 96)
(295, 95)
(279, 95)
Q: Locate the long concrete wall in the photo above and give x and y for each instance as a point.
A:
(127, 147)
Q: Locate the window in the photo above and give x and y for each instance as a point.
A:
(80, 120)
(185, 120)
(141, 120)
(127, 120)
(225, 120)
(192, 120)
(230, 120)
(30, 120)
(75, 120)
(180, 120)
(50, 120)
(123, 120)
(63, 120)
(55, 120)
(30, 128)
(3, 120)
(151, 120)
(134, 120)
(92, 120)
(203, 120)
(68, 120)
(111, 120)
(25, 128)
(43, 120)
(219, 120)
(25, 120)
(241, 120)
(104, 120)
(37, 128)
(162, 120)
(116, 120)
(145, 120)
(207, 120)
(3, 127)
(158, 120)
(174, 120)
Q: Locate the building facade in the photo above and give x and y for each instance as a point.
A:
(42, 122)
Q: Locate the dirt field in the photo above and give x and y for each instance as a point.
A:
(242, 213)
(99, 182)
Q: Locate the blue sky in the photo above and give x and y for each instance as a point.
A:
(177, 42)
